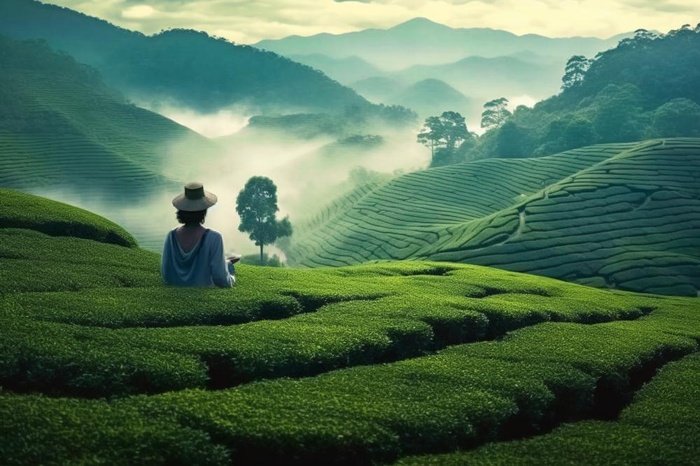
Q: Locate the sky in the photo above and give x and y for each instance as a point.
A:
(247, 22)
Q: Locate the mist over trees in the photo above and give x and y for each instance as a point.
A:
(646, 87)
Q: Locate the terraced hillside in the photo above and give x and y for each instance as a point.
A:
(354, 365)
(62, 129)
(614, 216)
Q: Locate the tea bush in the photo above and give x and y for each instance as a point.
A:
(72, 360)
(40, 430)
(363, 364)
(659, 427)
(19, 210)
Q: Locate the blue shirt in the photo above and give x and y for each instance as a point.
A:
(204, 265)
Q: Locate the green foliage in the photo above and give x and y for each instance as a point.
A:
(73, 136)
(364, 364)
(71, 360)
(677, 117)
(659, 427)
(575, 71)
(256, 204)
(43, 263)
(268, 261)
(511, 141)
(628, 93)
(40, 430)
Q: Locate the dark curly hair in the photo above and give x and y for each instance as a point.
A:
(191, 218)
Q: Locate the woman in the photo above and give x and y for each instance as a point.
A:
(194, 255)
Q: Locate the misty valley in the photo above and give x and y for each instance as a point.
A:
(492, 252)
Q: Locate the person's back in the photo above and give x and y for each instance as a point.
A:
(194, 255)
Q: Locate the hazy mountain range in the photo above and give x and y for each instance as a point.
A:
(480, 64)
(421, 41)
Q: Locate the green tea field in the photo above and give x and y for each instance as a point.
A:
(414, 362)
(621, 216)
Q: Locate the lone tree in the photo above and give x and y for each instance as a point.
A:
(257, 206)
(444, 133)
(575, 71)
(495, 113)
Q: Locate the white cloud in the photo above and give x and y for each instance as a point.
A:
(138, 12)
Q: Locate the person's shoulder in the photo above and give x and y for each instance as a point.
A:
(213, 234)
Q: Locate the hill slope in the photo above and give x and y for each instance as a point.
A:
(62, 129)
(188, 67)
(66, 135)
(356, 365)
(618, 215)
(644, 88)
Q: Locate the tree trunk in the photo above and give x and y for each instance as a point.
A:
(261, 255)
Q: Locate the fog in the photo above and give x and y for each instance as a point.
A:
(309, 174)
(221, 123)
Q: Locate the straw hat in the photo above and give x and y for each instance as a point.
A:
(194, 198)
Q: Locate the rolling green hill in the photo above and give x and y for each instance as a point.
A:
(62, 129)
(617, 216)
(67, 135)
(102, 363)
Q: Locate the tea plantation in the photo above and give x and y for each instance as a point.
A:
(623, 216)
(413, 362)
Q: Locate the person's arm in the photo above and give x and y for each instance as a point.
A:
(219, 266)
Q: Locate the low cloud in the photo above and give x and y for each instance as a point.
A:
(138, 12)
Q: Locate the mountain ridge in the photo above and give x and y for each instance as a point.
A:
(161, 65)
(420, 34)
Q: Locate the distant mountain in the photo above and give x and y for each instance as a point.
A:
(426, 97)
(482, 64)
(187, 67)
(615, 216)
(378, 88)
(488, 78)
(421, 41)
(344, 70)
(432, 97)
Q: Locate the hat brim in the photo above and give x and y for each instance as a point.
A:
(180, 202)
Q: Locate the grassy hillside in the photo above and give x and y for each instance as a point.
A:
(352, 365)
(20, 210)
(618, 216)
(63, 129)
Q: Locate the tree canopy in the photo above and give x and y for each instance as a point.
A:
(495, 113)
(646, 87)
(444, 134)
